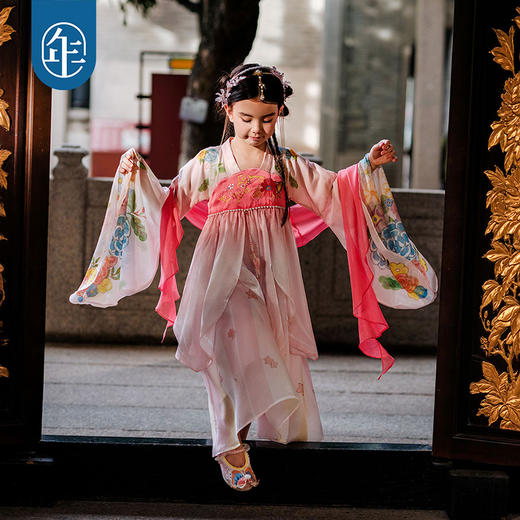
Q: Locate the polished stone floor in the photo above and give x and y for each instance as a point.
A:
(142, 391)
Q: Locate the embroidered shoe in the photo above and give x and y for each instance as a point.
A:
(240, 478)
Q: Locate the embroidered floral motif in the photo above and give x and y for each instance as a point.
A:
(231, 333)
(421, 292)
(378, 259)
(204, 185)
(208, 155)
(271, 184)
(100, 274)
(120, 236)
(135, 216)
(398, 268)
(404, 281)
(370, 196)
(246, 180)
(387, 202)
(270, 361)
(240, 478)
(378, 217)
(99, 280)
(105, 285)
(109, 262)
(394, 237)
(420, 263)
(244, 185)
(269, 187)
(388, 282)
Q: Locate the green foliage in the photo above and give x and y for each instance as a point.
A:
(115, 274)
(142, 6)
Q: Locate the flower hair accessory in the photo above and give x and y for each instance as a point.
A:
(223, 94)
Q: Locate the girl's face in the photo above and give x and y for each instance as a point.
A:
(254, 121)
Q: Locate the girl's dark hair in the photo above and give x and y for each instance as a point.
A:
(273, 92)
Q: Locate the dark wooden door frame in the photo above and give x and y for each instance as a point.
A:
(476, 85)
(23, 253)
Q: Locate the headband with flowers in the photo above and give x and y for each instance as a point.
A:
(223, 95)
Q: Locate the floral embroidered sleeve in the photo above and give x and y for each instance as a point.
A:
(402, 278)
(126, 256)
(195, 179)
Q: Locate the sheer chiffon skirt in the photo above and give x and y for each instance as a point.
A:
(244, 323)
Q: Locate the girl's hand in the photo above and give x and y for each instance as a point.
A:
(126, 165)
(382, 153)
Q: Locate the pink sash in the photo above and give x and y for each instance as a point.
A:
(371, 322)
(171, 235)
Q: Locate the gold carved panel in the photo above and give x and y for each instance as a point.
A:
(500, 306)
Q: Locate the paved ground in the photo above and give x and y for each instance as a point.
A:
(147, 511)
(143, 391)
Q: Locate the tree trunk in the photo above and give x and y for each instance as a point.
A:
(228, 29)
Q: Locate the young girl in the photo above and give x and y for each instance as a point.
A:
(243, 322)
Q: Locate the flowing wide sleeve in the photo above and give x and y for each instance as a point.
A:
(403, 278)
(186, 191)
(142, 223)
(127, 252)
(349, 202)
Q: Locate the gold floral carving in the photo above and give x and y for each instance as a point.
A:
(5, 36)
(5, 30)
(500, 307)
(4, 154)
(4, 116)
(2, 292)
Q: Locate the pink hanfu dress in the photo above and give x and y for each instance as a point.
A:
(243, 321)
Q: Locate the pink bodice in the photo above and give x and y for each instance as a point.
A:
(247, 189)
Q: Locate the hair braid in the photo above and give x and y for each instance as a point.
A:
(275, 149)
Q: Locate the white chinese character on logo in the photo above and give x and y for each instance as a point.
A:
(64, 49)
